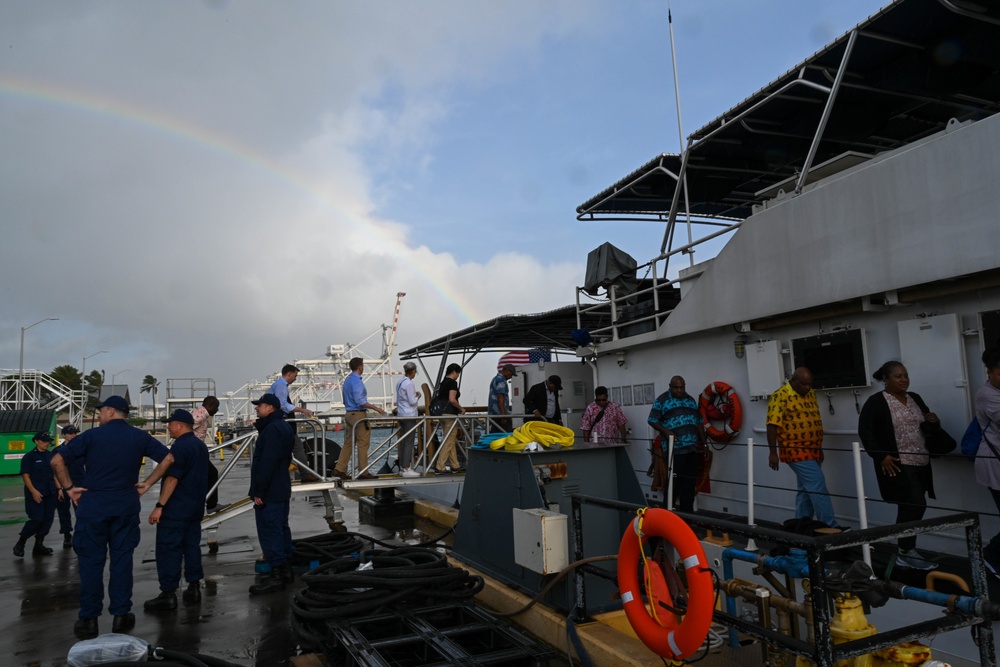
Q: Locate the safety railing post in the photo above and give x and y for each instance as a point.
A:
(859, 484)
(751, 545)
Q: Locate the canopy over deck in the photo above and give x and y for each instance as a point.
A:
(908, 70)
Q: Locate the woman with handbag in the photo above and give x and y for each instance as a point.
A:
(988, 457)
(893, 428)
(447, 399)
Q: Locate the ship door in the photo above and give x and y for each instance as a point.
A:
(933, 352)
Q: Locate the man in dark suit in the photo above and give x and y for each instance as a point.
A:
(542, 400)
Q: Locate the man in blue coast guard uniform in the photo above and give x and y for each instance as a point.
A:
(107, 513)
(271, 489)
(63, 503)
(178, 514)
(39, 496)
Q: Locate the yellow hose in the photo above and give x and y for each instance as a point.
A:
(544, 433)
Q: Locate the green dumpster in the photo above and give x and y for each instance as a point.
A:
(17, 427)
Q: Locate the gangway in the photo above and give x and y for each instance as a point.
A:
(34, 390)
(320, 380)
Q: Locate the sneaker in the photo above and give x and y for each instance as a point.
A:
(341, 475)
(447, 471)
(409, 472)
(912, 559)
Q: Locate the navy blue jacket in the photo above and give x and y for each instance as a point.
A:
(38, 466)
(112, 455)
(269, 478)
(190, 467)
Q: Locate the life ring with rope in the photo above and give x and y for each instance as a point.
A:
(720, 402)
(657, 627)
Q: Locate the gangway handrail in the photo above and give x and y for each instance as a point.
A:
(466, 422)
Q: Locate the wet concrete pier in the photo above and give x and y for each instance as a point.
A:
(40, 594)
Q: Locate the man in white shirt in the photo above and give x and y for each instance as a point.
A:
(406, 406)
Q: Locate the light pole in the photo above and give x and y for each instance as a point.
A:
(83, 378)
(20, 371)
(114, 375)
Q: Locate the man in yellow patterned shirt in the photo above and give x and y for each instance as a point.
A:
(795, 437)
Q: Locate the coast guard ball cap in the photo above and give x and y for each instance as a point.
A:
(43, 436)
(268, 399)
(116, 402)
(509, 367)
(70, 430)
(557, 381)
(182, 416)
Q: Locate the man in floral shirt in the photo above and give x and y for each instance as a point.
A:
(603, 421)
(795, 438)
(202, 423)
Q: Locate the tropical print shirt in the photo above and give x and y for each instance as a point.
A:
(609, 429)
(497, 387)
(679, 415)
(800, 426)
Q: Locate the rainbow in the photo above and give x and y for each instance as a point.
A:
(107, 107)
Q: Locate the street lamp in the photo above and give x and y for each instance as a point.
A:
(20, 372)
(114, 375)
(83, 378)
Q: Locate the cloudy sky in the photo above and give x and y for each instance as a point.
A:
(213, 188)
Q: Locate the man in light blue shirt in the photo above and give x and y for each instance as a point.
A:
(280, 389)
(357, 431)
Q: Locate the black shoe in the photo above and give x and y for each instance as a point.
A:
(67, 540)
(122, 623)
(285, 571)
(41, 550)
(272, 583)
(165, 601)
(85, 628)
(19, 549)
(192, 594)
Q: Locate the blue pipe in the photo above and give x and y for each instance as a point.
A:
(794, 563)
(963, 603)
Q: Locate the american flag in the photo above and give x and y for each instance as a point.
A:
(524, 357)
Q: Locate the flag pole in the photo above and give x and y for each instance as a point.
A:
(680, 137)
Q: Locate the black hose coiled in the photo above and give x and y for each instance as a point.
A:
(399, 578)
(326, 547)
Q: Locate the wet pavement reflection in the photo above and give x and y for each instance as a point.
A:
(40, 593)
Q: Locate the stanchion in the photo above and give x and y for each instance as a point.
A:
(751, 545)
(859, 482)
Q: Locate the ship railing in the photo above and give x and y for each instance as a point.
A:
(620, 307)
(430, 433)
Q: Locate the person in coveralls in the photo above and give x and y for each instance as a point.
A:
(271, 490)
(39, 496)
(107, 509)
(178, 514)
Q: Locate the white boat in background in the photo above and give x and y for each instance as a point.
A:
(857, 199)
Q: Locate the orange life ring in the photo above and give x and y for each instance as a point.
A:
(729, 410)
(656, 627)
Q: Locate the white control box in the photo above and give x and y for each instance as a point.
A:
(541, 540)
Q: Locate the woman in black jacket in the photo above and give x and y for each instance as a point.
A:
(890, 430)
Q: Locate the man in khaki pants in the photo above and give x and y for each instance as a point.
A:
(357, 431)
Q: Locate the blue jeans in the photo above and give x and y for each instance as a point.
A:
(992, 548)
(812, 497)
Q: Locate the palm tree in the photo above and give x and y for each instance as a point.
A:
(92, 385)
(67, 375)
(149, 384)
